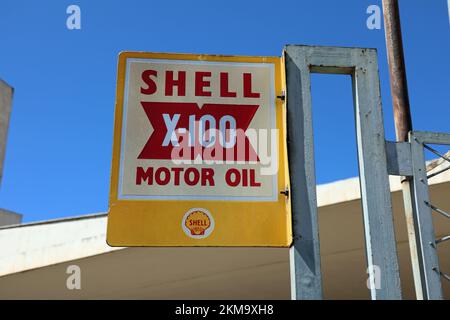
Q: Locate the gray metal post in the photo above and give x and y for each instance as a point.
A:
(6, 93)
(306, 278)
(375, 192)
(427, 256)
(407, 159)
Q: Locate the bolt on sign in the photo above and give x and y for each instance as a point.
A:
(199, 154)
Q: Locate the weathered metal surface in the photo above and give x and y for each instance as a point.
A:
(402, 118)
(399, 164)
(6, 94)
(377, 209)
(428, 261)
(432, 137)
(418, 225)
(431, 287)
(376, 200)
(399, 87)
(306, 278)
(398, 158)
(411, 229)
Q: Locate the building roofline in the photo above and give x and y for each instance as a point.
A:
(57, 220)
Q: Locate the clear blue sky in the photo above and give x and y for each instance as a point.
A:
(60, 137)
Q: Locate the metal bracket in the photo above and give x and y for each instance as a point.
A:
(285, 192)
(282, 96)
(398, 156)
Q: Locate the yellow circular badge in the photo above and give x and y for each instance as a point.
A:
(198, 223)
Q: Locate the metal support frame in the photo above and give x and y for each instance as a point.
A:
(381, 251)
(424, 247)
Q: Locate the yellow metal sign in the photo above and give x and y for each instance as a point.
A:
(199, 154)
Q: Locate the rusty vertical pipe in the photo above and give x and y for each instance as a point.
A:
(397, 71)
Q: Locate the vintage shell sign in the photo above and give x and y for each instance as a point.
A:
(199, 154)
